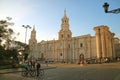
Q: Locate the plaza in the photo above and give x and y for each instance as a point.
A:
(79, 43)
(105, 71)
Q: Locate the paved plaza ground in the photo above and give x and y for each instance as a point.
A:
(105, 71)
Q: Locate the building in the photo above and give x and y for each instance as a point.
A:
(70, 49)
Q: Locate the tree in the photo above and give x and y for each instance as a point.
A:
(5, 41)
(22, 47)
(26, 52)
(6, 32)
(2, 52)
(6, 55)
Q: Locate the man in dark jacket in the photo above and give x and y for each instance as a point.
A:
(38, 68)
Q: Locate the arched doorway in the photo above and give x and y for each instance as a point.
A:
(42, 56)
(81, 58)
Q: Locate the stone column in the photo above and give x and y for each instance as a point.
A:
(53, 53)
(73, 51)
(103, 41)
(89, 47)
(113, 47)
(112, 55)
(110, 50)
(97, 36)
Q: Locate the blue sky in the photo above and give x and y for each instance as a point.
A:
(46, 15)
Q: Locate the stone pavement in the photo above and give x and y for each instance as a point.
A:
(12, 76)
(109, 71)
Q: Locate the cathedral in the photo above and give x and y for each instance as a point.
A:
(70, 49)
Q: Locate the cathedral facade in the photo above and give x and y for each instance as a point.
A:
(73, 49)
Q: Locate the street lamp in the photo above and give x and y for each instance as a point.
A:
(106, 6)
(26, 26)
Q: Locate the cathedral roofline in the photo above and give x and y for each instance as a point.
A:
(82, 36)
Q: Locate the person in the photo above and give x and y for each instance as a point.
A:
(26, 66)
(30, 63)
(38, 66)
(118, 59)
(46, 62)
(106, 60)
(33, 64)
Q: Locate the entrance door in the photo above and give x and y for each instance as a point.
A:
(81, 58)
(42, 56)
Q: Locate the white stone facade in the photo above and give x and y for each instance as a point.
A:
(69, 49)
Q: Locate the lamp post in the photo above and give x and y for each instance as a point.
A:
(26, 27)
(106, 6)
(115, 11)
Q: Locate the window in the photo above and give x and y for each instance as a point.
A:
(62, 35)
(60, 44)
(50, 48)
(69, 46)
(81, 44)
(68, 36)
(65, 21)
(60, 54)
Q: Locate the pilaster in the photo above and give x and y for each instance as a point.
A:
(97, 35)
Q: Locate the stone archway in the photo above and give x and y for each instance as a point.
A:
(42, 56)
(81, 58)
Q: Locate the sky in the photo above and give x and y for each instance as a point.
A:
(46, 16)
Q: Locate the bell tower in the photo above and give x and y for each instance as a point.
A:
(33, 44)
(65, 33)
(33, 40)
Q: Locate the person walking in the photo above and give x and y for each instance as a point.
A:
(38, 66)
(26, 67)
(46, 62)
